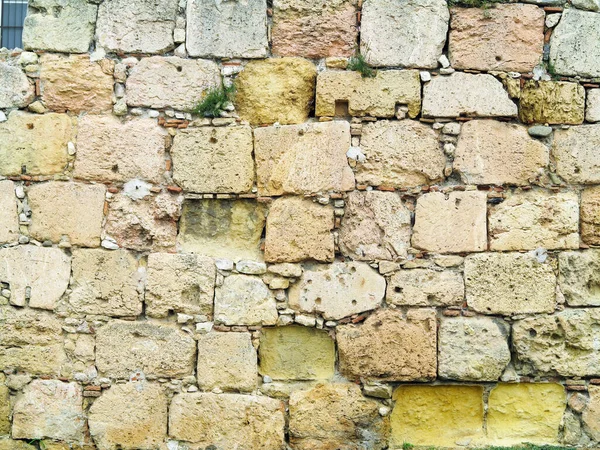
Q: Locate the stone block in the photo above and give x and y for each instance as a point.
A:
(590, 215)
(575, 154)
(552, 102)
(9, 220)
(244, 300)
(425, 287)
(591, 415)
(579, 277)
(592, 105)
(5, 409)
(16, 90)
(7, 443)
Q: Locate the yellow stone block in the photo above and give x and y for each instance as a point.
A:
(552, 102)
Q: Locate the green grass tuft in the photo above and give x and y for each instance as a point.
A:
(214, 101)
(358, 63)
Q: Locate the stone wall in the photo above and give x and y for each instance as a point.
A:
(335, 261)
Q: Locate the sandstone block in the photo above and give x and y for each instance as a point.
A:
(303, 159)
(15, 91)
(590, 215)
(552, 102)
(591, 415)
(214, 160)
(9, 444)
(575, 154)
(244, 300)
(451, 224)
(592, 106)
(276, 90)
(9, 220)
(5, 409)
(579, 277)
(390, 346)
(425, 287)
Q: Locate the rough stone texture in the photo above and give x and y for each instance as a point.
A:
(506, 38)
(276, 90)
(532, 219)
(492, 152)
(9, 220)
(390, 346)
(576, 155)
(458, 410)
(222, 228)
(336, 415)
(15, 91)
(183, 283)
(400, 154)
(131, 415)
(410, 33)
(9, 444)
(41, 140)
(70, 209)
(579, 277)
(465, 94)
(244, 300)
(337, 290)
(565, 343)
(5, 409)
(111, 150)
(226, 361)
(299, 229)
(138, 26)
(49, 409)
(59, 25)
(591, 415)
(592, 106)
(303, 159)
(76, 84)
(213, 160)
(451, 223)
(227, 29)
(425, 287)
(520, 413)
(552, 102)
(227, 421)
(509, 283)
(590, 215)
(123, 348)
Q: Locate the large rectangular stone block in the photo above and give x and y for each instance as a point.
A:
(552, 102)
(244, 300)
(579, 277)
(590, 215)
(425, 287)
(9, 219)
(575, 154)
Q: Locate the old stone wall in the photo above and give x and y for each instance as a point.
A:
(338, 260)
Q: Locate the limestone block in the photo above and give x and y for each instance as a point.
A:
(171, 82)
(402, 153)
(15, 91)
(336, 415)
(222, 228)
(76, 84)
(552, 102)
(5, 409)
(506, 38)
(214, 160)
(70, 209)
(49, 409)
(138, 26)
(451, 223)
(425, 287)
(592, 106)
(591, 415)
(299, 229)
(124, 347)
(131, 415)
(227, 29)
(227, 421)
(111, 150)
(492, 152)
(390, 346)
(41, 140)
(579, 277)
(244, 300)
(465, 94)
(410, 33)
(590, 215)
(9, 220)
(8, 444)
(303, 159)
(276, 90)
(576, 156)
(519, 413)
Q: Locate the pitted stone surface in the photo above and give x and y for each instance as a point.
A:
(574, 151)
(9, 220)
(590, 215)
(579, 277)
(244, 300)
(425, 287)
(552, 102)
(15, 91)
(5, 409)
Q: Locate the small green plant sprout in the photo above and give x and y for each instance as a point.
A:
(407, 446)
(215, 100)
(358, 63)
(38, 443)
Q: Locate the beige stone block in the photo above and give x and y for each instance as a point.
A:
(575, 154)
(590, 215)
(16, 90)
(7, 443)
(579, 277)
(9, 220)
(244, 300)
(49, 359)
(552, 102)
(425, 287)
(591, 415)
(5, 409)
(592, 105)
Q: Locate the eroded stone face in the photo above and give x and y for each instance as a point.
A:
(244, 300)
(9, 220)
(591, 415)
(590, 215)
(15, 91)
(576, 156)
(5, 408)
(425, 287)
(579, 277)
(552, 102)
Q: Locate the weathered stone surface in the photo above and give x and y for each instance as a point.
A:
(504, 38)
(227, 421)
(5, 409)
(532, 219)
(520, 413)
(573, 49)
(76, 84)
(303, 159)
(591, 415)
(590, 215)
(457, 409)
(592, 106)
(59, 25)
(411, 33)
(15, 91)
(390, 346)
(227, 29)
(579, 277)
(213, 160)
(226, 361)
(276, 90)
(492, 152)
(9, 220)
(336, 415)
(465, 94)
(9, 444)
(111, 150)
(299, 229)
(425, 287)
(552, 102)
(400, 154)
(451, 223)
(183, 283)
(40, 139)
(157, 350)
(222, 228)
(131, 415)
(565, 343)
(337, 290)
(509, 283)
(576, 155)
(244, 300)
(296, 353)
(49, 409)
(139, 26)
(70, 209)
